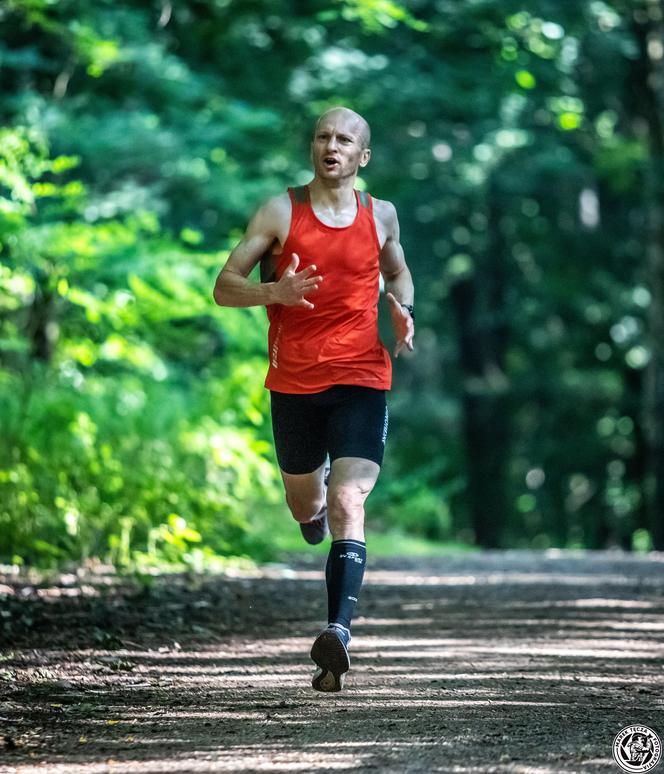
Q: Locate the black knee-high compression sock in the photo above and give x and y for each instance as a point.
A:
(343, 574)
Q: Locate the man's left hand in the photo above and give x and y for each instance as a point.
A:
(402, 322)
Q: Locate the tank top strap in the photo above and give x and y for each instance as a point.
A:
(300, 206)
(299, 194)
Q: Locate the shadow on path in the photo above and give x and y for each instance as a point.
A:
(513, 662)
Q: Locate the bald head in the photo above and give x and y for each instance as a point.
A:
(353, 121)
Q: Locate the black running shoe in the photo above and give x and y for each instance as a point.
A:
(330, 654)
(316, 531)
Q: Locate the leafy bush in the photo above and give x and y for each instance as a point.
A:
(133, 410)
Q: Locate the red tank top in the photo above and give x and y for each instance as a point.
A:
(337, 342)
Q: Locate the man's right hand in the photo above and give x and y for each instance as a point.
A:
(293, 286)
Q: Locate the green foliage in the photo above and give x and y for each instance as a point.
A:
(129, 468)
(128, 436)
(519, 147)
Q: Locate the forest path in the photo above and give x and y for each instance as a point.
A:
(509, 662)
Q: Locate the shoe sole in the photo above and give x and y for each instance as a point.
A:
(331, 657)
(314, 532)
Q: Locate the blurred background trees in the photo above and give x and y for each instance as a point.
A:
(524, 152)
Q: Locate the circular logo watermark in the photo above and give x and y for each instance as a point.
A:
(637, 749)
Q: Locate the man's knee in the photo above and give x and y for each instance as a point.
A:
(303, 509)
(346, 504)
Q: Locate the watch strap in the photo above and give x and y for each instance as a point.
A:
(409, 308)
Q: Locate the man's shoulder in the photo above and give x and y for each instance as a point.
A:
(384, 210)
(275, 211)
(278, 204)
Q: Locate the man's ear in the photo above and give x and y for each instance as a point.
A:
(366, 155)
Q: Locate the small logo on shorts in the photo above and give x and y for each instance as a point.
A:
(637, 749)
(385, 423)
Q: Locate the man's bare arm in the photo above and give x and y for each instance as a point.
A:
(233, 288)
(396, 276)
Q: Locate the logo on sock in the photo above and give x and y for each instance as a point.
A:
(351, 555)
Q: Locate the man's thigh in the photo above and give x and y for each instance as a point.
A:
(299, 428)
(357, 425)
(298, 424)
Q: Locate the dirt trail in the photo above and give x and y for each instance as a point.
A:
(510, 662)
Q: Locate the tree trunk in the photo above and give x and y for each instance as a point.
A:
(478, 301)
(42, 326)
(647, 87)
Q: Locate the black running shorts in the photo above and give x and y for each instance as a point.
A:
(342, 421)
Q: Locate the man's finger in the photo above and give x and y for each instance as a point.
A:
(407, 342)
(295, 262)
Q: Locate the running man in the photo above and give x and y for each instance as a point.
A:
(321, 248)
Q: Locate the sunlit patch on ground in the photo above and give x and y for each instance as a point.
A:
(510, 663)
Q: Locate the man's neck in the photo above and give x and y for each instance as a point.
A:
(336, 195)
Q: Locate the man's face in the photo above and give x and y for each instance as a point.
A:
(337, 149)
